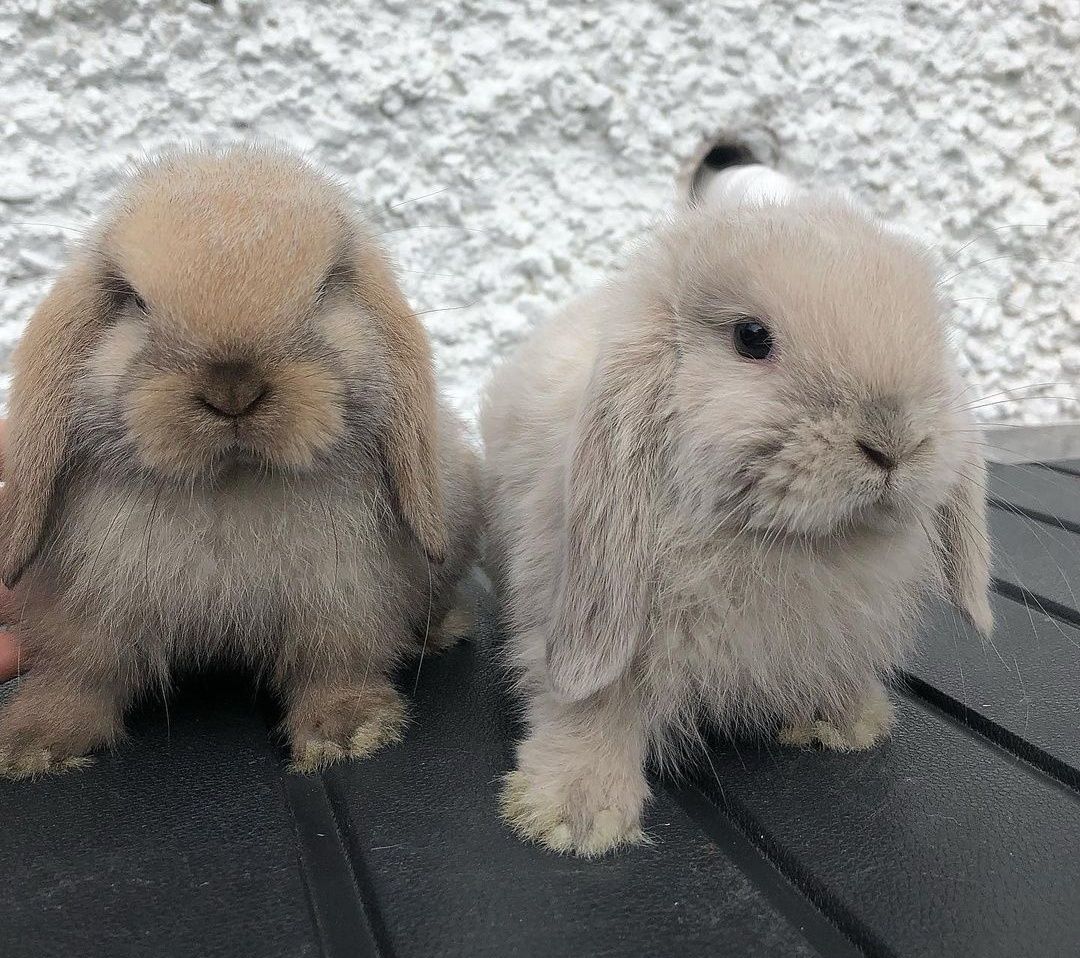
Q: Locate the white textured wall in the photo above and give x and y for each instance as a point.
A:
(554, 129)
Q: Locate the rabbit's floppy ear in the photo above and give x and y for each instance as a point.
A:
(46, 363)
(965, 545)
(410, 443)
(618, 460)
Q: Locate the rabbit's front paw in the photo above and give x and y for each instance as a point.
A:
(29, 748)
(346, 724)
(458, 624)
(49, 727)
(35, 756)
(571, 817)
(865, 726)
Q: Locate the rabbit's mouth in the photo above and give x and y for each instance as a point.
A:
(249, 456)
(822, 479)
(811, 511)
(240, 461)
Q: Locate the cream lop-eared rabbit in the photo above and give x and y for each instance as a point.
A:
(720, 488)
(225, 440)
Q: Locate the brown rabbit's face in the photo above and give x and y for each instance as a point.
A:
(190, 410)
(234, 342)
(816, 385)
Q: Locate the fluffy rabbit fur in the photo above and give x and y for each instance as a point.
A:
(683, 535)
(225, 440)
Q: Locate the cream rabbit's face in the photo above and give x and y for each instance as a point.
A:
(234, 340)
(816, 384)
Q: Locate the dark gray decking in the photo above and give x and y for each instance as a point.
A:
(960, 836)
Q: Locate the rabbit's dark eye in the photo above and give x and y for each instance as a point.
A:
(125, 296)
(132, 298)
(752, 339)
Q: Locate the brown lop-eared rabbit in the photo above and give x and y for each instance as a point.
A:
(225, 441)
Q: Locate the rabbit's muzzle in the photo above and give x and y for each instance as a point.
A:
(232, 390)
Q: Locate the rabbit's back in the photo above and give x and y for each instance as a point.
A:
(535, 395)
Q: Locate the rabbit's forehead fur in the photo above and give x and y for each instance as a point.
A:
(851, 302)
(860, 359)
(227, 245)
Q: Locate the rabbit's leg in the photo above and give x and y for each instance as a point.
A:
(339, 713)
(63, 710)
(459, 623)
(580, 785)
(451, 619)
(859, 724)
(444, 629)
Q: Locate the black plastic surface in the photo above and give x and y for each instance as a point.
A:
(1037, 562)
(1069, 466)
(936, 843)
(960, 836)
(1020, 686)
(180, 843)
(1038, 491)
(447, 877)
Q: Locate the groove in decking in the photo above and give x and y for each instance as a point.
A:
(347, 924)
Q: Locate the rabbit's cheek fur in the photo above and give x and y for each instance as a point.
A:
(805, 477)
(776, 463)
(814, 482)
(352, 341)
(113, 357)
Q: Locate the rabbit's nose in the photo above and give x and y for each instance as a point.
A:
(231, 389)
(882, 458)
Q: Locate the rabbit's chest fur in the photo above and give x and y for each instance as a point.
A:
(754, 636)
(251, 562)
